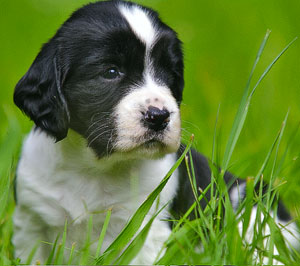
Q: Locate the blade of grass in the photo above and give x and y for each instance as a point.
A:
(278, 238)
(7, 149)
(86, 248)
(61, 250)
(261, 170)
(244, 105)
(103, 232)
(242, 110)
(189, 211)
(213, 162)
(271, 181)
(136, 221)
(51, 256)
(176, 253)
(192, 179)
(248, 203)
(136, 245)
(32, 253)
(71, 254)
(182, 221)
(267, 70)
(4, 189)
(271, 238)
(290, 143)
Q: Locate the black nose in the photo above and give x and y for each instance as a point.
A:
(156, 118)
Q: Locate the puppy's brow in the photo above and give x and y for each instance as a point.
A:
(140, 23)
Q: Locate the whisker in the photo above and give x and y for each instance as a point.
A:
(192, 124)
(97, 131)
(102, 133)
(100, 119)
(110, 141)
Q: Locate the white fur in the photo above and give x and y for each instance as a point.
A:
(289, 231)
(237, 195)
(140, 23)
(129, 113)
(64, 180)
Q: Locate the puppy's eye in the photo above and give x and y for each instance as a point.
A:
(111, 73)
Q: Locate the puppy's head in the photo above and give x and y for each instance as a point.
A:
(113, 73)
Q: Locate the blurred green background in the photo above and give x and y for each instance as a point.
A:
(221, 39)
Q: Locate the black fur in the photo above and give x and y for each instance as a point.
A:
(39, 94)
(185, 197)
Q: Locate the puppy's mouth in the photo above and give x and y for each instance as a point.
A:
(154, 147)
(153, 143)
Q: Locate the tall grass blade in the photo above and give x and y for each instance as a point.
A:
(71, 254)
(271, 181)
(177, 251)
(261, 170)
(181, 222)
(189, 211)
(248, 205)
(51, 256)
(4, 188)
(7, 149)
(86, 249)
(32, 253)
(213, 159)
(278, 238)
(242, 110)
(191, 176)
(244, 105)
(136, 245)
(271, 65)
(290, 143)
(60, 255)
(136, 221)
(103, 232)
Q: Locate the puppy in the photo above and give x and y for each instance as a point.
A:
(104, 94)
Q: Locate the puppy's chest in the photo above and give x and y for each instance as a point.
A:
(84, 193)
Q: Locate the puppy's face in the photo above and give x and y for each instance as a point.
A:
(114, 73)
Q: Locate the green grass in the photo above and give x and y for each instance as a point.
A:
(220, 40)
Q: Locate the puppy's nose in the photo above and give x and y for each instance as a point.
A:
(156, 118)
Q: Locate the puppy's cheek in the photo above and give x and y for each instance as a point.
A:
(129, 114)
(129, 130)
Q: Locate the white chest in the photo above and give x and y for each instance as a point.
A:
(56, 186)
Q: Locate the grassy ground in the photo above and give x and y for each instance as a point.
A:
(220, 42)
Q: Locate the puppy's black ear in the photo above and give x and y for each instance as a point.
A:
(38, 94)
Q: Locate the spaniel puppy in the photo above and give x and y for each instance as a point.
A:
(104, 94)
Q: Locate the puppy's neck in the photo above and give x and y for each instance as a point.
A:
(75, 150)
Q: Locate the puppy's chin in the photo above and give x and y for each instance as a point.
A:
(150, 149)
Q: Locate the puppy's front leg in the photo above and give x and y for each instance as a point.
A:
(29, 231)
(158, 234)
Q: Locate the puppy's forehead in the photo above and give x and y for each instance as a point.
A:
(140, 23)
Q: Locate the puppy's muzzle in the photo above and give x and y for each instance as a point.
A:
(156, 119)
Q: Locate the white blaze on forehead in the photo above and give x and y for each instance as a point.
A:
(140, 23)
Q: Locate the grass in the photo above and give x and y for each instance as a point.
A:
(213, 238)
